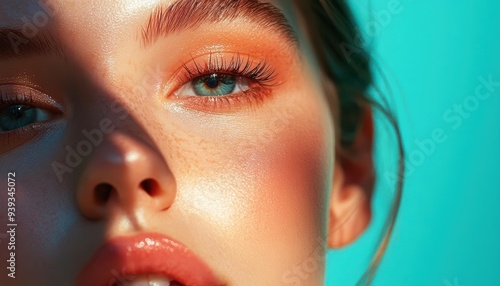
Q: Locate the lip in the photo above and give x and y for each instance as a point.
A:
(122, 258)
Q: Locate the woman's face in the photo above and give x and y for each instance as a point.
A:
(162, 122)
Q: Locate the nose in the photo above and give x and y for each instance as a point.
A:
(123, 173)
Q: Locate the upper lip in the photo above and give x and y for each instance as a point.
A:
(122, 258)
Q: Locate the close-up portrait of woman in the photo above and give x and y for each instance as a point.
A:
(220, 143)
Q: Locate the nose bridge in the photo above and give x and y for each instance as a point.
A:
(127, 174)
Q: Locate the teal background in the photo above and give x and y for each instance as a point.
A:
(448, 231)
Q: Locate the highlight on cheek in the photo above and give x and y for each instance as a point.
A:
(222, 82)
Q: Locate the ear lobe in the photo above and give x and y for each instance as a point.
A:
(350, 212)
(353, 182)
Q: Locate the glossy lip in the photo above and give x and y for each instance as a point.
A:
(124, 258)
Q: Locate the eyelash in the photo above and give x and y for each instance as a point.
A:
(261, 74)
(8, 99)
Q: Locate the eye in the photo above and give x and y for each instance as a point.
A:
(223, 83)
(16, 116)
(216, 84)
(21, 107)
(25, 113)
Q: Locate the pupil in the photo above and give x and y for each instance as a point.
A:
(212, 81)
(17, 111)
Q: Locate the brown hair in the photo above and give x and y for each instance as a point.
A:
(347, 72)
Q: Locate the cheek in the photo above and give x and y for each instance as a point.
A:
(293, 187)
(289, 204)
(257, 179)
(44, 213)
(278, 172)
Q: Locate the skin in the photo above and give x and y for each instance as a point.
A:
(232, 181)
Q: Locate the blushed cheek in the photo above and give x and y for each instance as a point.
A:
(296, 189)
(296, 166)
(289, 207)
(294, 202)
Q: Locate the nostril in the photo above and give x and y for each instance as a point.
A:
(151, 187)
(102, 193)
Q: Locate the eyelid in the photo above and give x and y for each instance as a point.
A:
(19, 94)
(223, 62)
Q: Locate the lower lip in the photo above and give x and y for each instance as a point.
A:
(123, 259)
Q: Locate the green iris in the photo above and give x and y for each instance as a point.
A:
(214, 85)
(16, 116)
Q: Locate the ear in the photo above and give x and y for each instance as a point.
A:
(353, 182)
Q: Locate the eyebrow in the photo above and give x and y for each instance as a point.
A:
(191, 14)
(15, 43)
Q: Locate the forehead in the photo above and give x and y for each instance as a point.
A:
(107, 25)
(19, 13)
